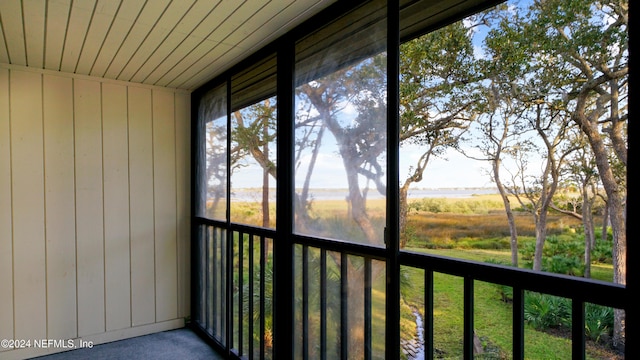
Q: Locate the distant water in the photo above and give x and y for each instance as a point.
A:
(341, 194)
(450, 193)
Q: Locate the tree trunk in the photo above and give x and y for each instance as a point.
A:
(605, 222)
(507, 208)
(512, 230)
(403, 214)
(358, 206)
(617, 212)
(541, 236)
(589, 233)
(265, 178)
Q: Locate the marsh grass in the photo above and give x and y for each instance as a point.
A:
(477, 222)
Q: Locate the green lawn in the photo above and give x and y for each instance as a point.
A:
(492, 316)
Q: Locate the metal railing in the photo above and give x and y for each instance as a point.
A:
(233, 288)
(337, 285)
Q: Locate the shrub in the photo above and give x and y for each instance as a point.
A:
(598, 322)
(602, 252)
(562, 255)
(566, 256)
(562, 245)
(544, 311)
(560, 264)
(486, 243)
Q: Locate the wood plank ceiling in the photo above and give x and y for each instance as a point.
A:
(172, 43)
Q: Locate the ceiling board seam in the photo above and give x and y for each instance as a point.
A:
(122, 68)
(115, 16)
(106, 69)
(50, 18)
(4, 38)
(266, 39)
(33, 28)
(163, 40)
(86, 33)
(263, 24)
(258, 45)
(24, 32)
(203, 40)
(181, 42)
(221, 42)
(66, 32)
(309, 10)
(226, 37)
(44, 41)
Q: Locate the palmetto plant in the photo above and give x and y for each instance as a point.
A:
(546, 311)
(598, 321)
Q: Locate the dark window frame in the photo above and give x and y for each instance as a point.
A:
(285, 239)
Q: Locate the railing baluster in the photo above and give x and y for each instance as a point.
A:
(228, 263)
(250, 295)
(222, 287)
(344, 311)
(202, 287)
(323, 304)
(209, 281)
(240, 292)
(305, 302)
(578, 338)
(518, 323)
(468, 317)
(263, 256)
(367, 308)
(214, 288)
(428, 314)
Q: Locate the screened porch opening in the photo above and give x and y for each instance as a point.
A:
(311, 227)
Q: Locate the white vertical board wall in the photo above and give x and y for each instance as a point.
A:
(94, 215)
(6, 218)
(115, 160)
(28, 204)
(183, 210)
(143, 301)
(164, 184)
(89, 206)
(60, 206)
